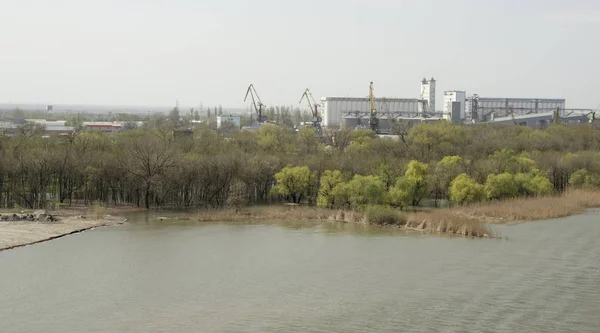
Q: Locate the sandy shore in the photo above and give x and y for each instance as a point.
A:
(21, 233)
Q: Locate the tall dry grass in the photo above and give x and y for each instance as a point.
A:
(445, 221)
(287, 212)
(529, 209)
(442, 221)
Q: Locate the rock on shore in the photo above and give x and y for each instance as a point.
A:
(37, 216)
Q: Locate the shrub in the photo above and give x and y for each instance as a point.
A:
(383, 215)
(99, 210)
(583, 179)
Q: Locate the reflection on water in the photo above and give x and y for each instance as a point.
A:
(186, 276)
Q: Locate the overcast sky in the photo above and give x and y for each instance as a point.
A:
(150, 52)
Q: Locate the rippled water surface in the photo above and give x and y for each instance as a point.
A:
(151, 276)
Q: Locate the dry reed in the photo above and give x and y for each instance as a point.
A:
(529, 209)
(287, 212)
(445, 221)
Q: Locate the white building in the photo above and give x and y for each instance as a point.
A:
(335, 108)
(232, 119)
(454, 96)
(428, 94)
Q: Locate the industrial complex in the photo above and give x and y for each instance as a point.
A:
(458, 108)
(379, 113)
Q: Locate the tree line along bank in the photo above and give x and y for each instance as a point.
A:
(344, 168)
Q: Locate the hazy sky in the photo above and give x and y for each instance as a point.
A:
(150, 52)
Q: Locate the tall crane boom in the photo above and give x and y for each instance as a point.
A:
(258, 104)
(313, 106)
(373, 120)
(512, 114)
(556, 116)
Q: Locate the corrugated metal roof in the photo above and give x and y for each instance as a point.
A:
(377, 99)
(551, 100)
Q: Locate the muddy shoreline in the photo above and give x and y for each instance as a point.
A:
(15, 234)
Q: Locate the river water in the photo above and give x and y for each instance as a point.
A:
(176, 276)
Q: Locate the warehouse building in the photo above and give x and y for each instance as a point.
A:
(355, 111)
(543, 119)
(481, 109)
(334, 109)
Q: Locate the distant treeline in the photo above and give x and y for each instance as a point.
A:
(152, 167)
(176, 117)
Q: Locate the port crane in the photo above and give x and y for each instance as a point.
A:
(373, 120)
(313, 106)
(256, 102)
(556, 116)
(512, 114)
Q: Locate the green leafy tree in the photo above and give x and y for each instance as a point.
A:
(362, 139)
(583, 179)
(501, 186)
(275, 139)
(18, 113)
(385, 174)
(174, 117)
(540, 185)
(365, 190)
(525, 164)
(432, 141)
(306, 140)
(76, 121)
(445, 171)
(533, 183)
(464, 189)
(401, 193)
(294, 183)
(415, 180)
(329, 181)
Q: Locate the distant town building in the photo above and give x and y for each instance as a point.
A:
(106, 127)
(221, 120)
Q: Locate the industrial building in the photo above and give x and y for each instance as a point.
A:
(334, 109)
(351, 112)
(482, 109)
(451, 97)
(428, 95)
(543, 119)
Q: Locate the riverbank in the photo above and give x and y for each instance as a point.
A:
(470, 220)
(15, 234)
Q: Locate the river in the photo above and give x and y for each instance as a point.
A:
(177, 276)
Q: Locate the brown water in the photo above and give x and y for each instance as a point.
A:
(167, 276)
